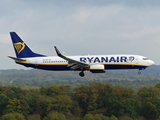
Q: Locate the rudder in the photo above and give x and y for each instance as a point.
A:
(21, 49)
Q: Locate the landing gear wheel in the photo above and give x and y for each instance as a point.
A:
(81, 74)
(139, 72)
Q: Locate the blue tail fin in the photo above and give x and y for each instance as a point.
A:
(21, 49)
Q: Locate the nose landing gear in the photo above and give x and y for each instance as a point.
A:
(81, 74)
(139, 72)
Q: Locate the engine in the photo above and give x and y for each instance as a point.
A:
(97, 68)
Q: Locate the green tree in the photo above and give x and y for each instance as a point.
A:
(150, 102)
(43, 105)
(158, 118)
(149, 111)
(3, 103)
(89, 117)
(32, 97)
(24, 108)
(55, 116)
(125, 102)
(34, 117)
(13, 116)
(125, 118)
(76, 109)
(95, 117)
(113, 118)
(86, 97)
(100, 117)
(14, 106)
(146, 94)
(62, 103)
(15, 92)
(53, 91)
(106, 100)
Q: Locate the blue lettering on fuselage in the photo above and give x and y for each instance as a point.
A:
(83, 59)
(117, 59)
(112, 59)
(90, 59)
(96, 60)
(123, 59)
(103, 59)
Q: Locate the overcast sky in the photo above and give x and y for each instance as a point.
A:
(80, 27)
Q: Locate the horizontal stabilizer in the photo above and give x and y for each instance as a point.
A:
(16, 59)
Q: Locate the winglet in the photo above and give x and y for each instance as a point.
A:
(58, 52)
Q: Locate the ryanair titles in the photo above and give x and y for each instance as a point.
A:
(106, 59)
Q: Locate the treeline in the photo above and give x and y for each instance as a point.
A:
(96, 101)
(37, 78)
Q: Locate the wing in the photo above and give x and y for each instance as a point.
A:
(74, 63)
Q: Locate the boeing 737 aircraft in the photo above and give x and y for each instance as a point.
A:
(92, 63)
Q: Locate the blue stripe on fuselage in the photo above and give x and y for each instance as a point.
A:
(64, 67)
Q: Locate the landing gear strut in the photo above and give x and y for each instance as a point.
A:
(81, 74)
(139, 72)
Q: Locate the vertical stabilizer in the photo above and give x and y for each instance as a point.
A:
(21, 49)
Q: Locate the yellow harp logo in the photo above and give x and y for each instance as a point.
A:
(19, 47)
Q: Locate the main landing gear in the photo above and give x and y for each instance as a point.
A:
(81, 74)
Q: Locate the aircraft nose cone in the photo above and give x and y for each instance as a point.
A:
(151, 62)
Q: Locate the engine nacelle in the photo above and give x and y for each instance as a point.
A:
(97, 68)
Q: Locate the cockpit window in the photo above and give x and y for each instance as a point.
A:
(145, 58)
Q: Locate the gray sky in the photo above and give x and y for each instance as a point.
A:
(81, 27)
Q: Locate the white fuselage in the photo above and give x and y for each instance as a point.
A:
(109, 62)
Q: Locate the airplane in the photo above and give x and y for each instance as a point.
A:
(62, 62)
